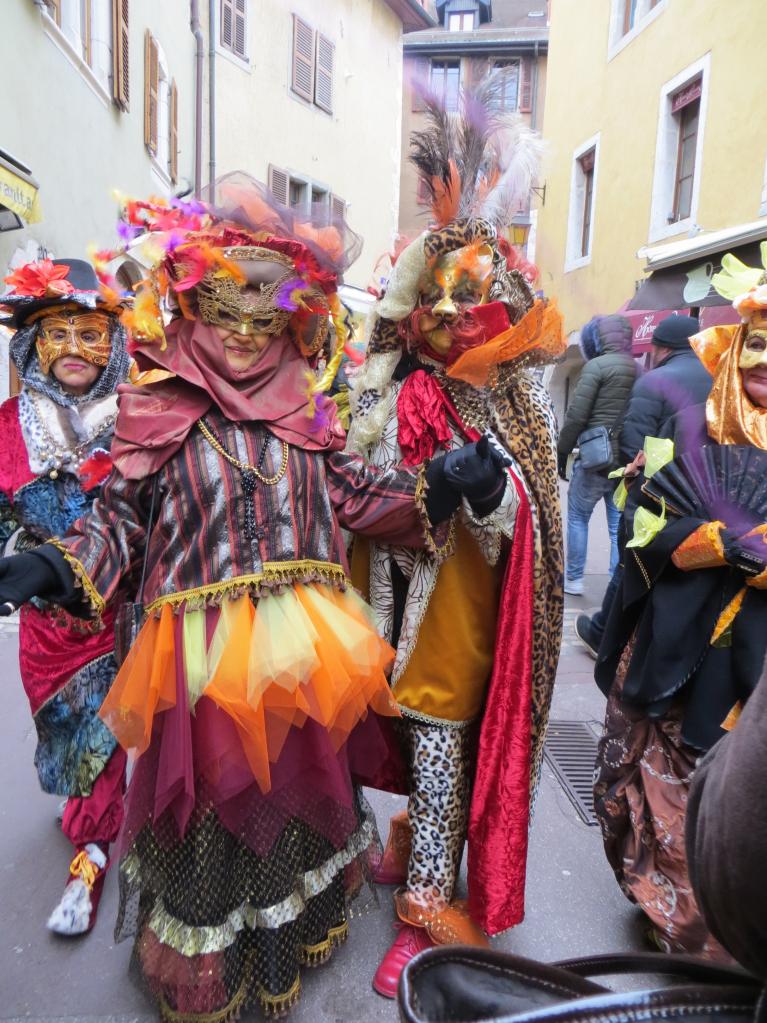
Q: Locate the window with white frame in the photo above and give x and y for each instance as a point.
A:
(160, 109)
(461, 21)
(445, 82)
(628, 18)
(302, 192)
(679, 151)
(507, 95)
(86, 25)
(583, 187)
(233, 27)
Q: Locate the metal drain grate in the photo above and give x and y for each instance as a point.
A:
(571, 751)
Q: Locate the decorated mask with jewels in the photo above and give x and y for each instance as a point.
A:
(455, 284)
(73, 332)
(249, 305)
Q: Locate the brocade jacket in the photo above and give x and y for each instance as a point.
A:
(199, 549)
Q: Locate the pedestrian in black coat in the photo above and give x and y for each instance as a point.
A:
(678, 379)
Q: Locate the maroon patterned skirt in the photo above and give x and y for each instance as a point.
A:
(641, 785)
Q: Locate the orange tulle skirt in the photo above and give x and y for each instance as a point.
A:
(310, 652)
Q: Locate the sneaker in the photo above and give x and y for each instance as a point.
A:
(582, 627)
(574, 587)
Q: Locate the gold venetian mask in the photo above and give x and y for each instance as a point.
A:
(754, 350)
(456, 281)
(248, 308)
(460, 278)
(84, 334)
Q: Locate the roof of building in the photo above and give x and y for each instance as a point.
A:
(511, 24)
(415, 14)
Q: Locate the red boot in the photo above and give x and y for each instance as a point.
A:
(76, 912)
(408, 943)
(393, 866)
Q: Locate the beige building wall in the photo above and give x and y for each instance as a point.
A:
(606, 87)
(354, 152)
(59, 119)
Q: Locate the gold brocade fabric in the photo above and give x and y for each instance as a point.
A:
(701, 549)
(731, 417)
(450, 667)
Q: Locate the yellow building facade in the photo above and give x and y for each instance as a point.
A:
(652, 122)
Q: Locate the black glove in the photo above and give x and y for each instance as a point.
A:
(562, 466)
(40, 573)
(747, 554)
(478, 472)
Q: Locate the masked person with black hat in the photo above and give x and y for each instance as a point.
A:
(677, 380)
(70, 351)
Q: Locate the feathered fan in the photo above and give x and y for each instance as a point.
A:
(476, 162)
(725, 483)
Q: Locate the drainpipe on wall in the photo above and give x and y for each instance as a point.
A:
(534, 104)
(212, 91)
(199, 56)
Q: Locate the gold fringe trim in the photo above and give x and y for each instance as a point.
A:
(275, 573)
(226, 1015)
(448, 547)
(315, 955)
(82, 578)
(275, 1006)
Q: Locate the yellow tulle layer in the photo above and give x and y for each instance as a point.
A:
(308, 653)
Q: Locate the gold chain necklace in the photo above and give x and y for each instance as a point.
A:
(249, 475)
(246, 467)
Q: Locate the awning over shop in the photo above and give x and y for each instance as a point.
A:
(644, 322)
(681, 274)
(19, 191)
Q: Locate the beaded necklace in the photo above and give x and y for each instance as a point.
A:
(250, 475)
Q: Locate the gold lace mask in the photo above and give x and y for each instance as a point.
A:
(77, 333)
(754, 350)
(248, 308)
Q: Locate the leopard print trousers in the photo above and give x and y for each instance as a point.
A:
(439, 760)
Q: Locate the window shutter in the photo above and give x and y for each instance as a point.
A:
(226, 24)
(151, 91)
(302, 78)
(337, 207)
(240, 25)
(173, 155)
(420, 82)
(278, 184)
(526, 86)
(120, 66)
(87, 31)
(54, 9)
(323, 81)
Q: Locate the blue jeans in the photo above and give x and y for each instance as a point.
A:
(587, 488)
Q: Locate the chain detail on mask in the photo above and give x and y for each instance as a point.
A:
(66, 335)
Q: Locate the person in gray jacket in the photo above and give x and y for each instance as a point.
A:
(600, 399)
(677, 379)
